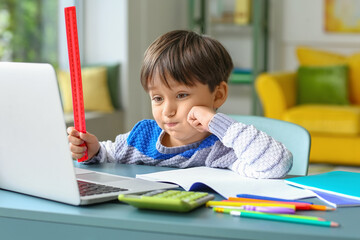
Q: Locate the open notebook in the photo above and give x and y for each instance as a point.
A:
(227, 183)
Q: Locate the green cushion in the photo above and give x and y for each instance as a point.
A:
(323, 85)
(113, 72)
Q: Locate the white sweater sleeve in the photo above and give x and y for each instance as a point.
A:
(107, 151)
(258, 154)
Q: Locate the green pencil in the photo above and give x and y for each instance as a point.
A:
(228, 210)
(284, 219)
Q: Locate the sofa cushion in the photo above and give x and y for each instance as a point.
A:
(312, 57)
(324, 85)
(354, 78)
(113, 74)
(326, 119)
(95, 90)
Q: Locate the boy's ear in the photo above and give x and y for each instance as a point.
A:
(221, 93)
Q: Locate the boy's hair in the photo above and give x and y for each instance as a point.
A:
(186, 57)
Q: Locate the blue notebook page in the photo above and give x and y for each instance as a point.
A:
(341, 183)
(335, 200)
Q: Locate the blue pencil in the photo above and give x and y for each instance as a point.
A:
(269, 198)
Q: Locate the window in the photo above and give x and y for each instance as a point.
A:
(29, 31)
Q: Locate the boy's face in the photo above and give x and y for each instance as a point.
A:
(170, 108)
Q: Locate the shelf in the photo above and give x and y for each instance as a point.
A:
(230, 28)
(219, 21)
(240, 78)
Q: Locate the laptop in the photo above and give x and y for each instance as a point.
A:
(35, 158)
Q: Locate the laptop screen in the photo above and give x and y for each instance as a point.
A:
(34, 154)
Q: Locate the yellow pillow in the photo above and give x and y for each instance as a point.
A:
(313, 57)
(354, 78)
(95, 90)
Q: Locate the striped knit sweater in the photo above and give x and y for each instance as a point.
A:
(234, 145)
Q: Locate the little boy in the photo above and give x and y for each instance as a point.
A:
(186, 75)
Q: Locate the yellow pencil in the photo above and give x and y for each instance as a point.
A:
(240, 204)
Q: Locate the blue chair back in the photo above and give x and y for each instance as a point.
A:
(294, 137)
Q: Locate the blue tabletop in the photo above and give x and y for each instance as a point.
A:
(200, 223)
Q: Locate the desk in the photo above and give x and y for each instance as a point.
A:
(26, 217)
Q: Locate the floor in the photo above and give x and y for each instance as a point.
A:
(321, 168)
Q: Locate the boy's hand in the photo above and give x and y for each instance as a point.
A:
(77, 138)
(199, 117)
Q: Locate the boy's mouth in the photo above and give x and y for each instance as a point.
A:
(171, 124)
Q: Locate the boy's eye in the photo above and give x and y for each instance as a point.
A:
(182, 95)
(157, 99)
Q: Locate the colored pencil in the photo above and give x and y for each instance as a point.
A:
(228, 210)
(298, 205)
(279, 210)
(269, 198)
(240, 204)
(275, 217)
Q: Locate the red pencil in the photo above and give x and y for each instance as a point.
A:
(298, 205)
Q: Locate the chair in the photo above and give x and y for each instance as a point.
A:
(334, 129)
(294, 137)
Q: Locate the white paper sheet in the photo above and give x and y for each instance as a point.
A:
(227, 183)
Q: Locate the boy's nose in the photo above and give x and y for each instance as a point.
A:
(169, 109)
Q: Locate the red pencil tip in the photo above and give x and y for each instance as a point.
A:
(334, 224)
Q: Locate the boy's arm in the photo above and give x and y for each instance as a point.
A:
(107, 150)
(105, 153)
(258, 154)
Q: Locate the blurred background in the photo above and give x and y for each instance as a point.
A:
(260, 35)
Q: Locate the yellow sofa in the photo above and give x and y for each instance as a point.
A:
(334, 129)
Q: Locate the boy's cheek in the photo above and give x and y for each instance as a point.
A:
(156, 113)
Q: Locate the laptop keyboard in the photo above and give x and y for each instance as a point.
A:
(88, 189)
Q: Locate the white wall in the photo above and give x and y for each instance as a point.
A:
(294, 23)
(104, 30)
(121, 30)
